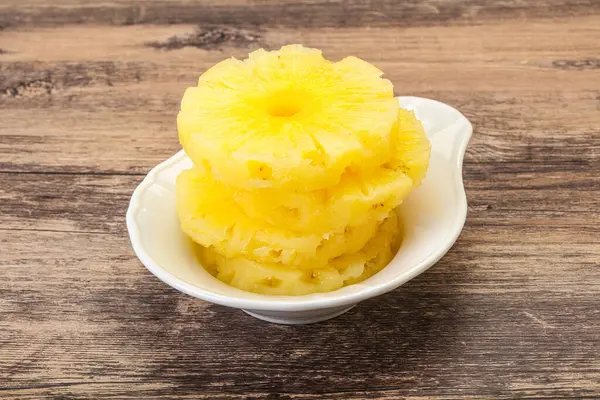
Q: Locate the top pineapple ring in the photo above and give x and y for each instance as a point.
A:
(288, 118)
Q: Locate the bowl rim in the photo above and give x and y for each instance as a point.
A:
(294, 303)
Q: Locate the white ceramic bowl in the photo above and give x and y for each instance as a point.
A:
(433, 217)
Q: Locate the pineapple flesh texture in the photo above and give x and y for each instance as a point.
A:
(278, 279)
(357, 197)
(209, 214)
(356, 200)
(299, 164)
(288, 118)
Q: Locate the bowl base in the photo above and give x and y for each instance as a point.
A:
(299, 317)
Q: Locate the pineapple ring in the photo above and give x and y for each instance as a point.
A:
(411, 147)
(209, 214)
(288, 118)
(352, 202)
(356, 198)
(277, 279)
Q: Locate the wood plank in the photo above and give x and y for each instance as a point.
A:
(69, 203)
(124, 334)
(118, 116)
(297, 14)
(88, 98)
(96, 203)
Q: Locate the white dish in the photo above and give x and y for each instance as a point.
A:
(433, 217)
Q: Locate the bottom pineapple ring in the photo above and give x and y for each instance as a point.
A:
(278, 279)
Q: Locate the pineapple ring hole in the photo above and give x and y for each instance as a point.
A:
(286, 103)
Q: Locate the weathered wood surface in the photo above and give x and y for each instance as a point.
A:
(88, 97)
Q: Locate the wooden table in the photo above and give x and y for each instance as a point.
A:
(89, 92)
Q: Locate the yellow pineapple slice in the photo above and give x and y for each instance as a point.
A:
(288, 118)
(411, 147)
(297, 161)
(354, 201)
(357, 197)
(278, 279)
(293, 227)
(209, 214)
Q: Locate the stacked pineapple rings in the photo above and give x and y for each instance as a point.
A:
(299, 163)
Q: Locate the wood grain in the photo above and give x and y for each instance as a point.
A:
(296, 14)
(88, 98)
